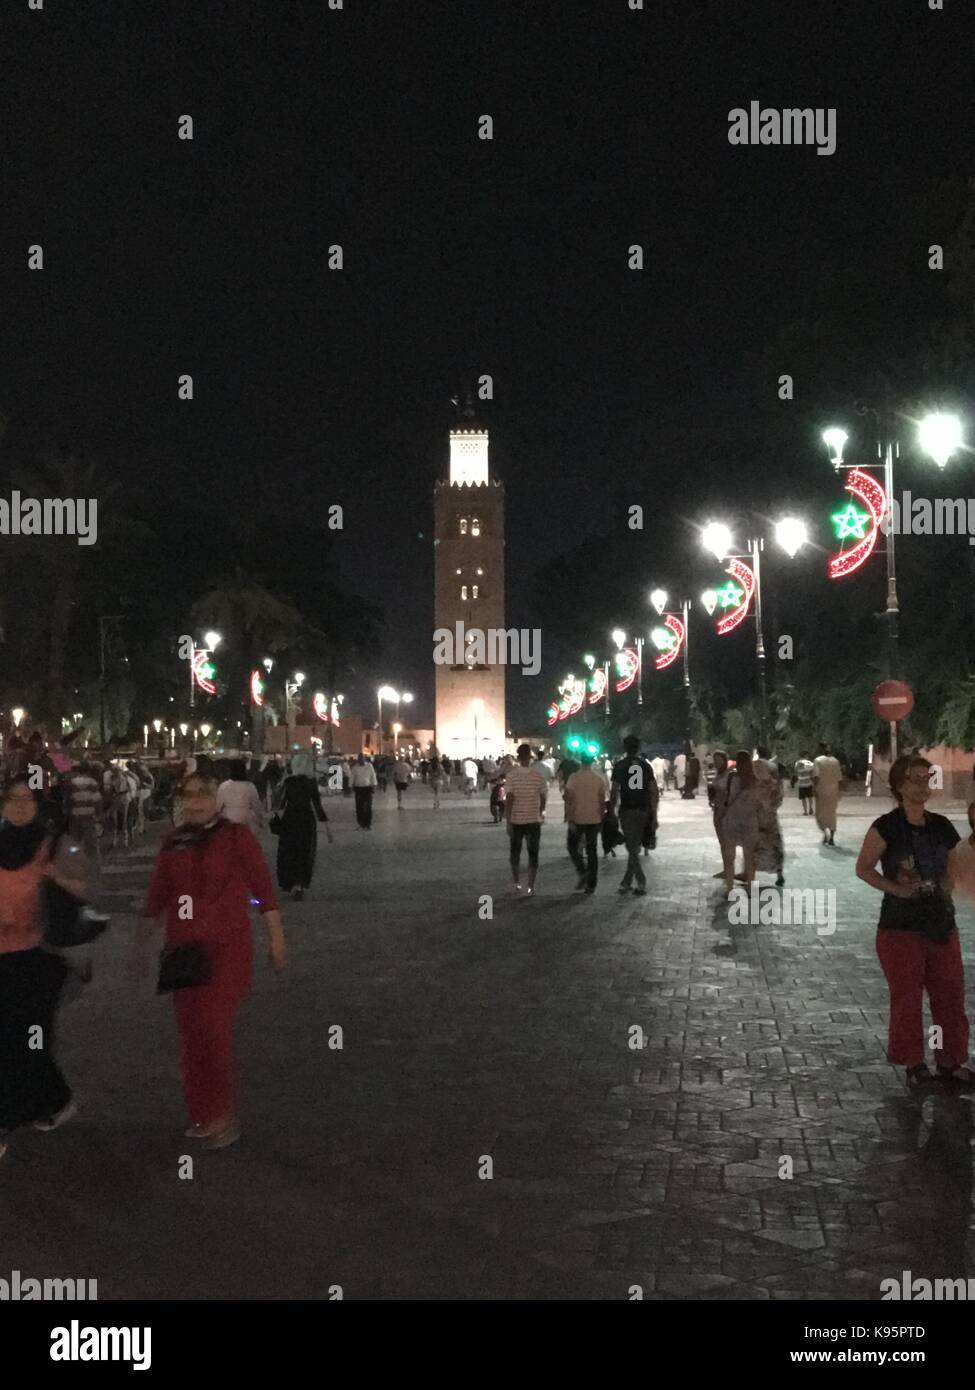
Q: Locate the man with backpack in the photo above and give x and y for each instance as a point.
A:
(635, 790)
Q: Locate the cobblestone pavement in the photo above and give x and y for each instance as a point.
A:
(509, 1038)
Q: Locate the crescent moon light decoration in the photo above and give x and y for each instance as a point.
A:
(874, 497)
(257, 689)
(746, 578)
(628, 665)
(675, 626)
(203, 670)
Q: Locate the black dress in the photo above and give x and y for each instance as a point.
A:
(299, 806)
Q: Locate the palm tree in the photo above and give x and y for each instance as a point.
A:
(252, 622)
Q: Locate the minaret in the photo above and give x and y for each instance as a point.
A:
(469, 590)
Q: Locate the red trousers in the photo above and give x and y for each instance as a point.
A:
(912, 965)
(205, 1022)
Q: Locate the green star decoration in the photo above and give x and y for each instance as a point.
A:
(730, 596)
(850, 522)
(664, 640)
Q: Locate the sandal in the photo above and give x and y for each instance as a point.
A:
(918, 1076)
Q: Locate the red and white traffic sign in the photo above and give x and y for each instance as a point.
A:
(892, 701)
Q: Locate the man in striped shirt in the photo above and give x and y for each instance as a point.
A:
(84, 800)
(524, 811)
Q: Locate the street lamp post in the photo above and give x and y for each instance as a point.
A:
(385, 692)
(939, 435)
(476, 706)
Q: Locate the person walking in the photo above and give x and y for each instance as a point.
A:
(471, 776)
(83, 801)
(32, 1087)
(739, 821)
(364, 784)
(401, 777)
(770, 850)
(435, 778)
(215, 866)
(637, 793)
(718, 794)
(680, 772)
(917, 938)
(659, 772)
(238, 799)
(585, 804)
(803, 772)
(299, 807)
(692, 773)
(828, 783)
(524, 812)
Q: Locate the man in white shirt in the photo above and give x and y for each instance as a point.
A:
(586, 794)
(804, 773)
(364, 783)
(546, 768)
(524, 812)
(470, 777)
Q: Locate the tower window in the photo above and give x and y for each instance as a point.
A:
(463, 526)
(479, 570)
(474, 592)
(475, 526)
(463, 591)
(458, 571)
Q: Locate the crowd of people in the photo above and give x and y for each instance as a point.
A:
(211, 870)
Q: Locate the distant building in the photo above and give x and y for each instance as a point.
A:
(469, 594)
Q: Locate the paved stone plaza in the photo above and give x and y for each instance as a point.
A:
(509, 1038)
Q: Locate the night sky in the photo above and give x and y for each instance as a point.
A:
(359, 127)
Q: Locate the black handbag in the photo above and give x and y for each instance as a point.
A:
(274, 824)
(182, 967)
(70, 922)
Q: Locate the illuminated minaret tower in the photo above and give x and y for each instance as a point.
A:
(469, 590)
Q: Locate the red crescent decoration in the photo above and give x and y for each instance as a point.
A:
(257, 689)
(632, 660)
(577, 698)
(870, 492)
(746, 578)
(199, 661)
(552, 714)
(599, 681)
(675, 625)
(320, 706)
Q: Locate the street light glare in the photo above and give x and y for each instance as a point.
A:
(791, 534)
(618, 636)
(407, 697)
(299, 677)
(386, 692)
(940, 436)
(661, 638)
(659, 599)
(717, 538)
(710, 600)
(835, 441)
(212, 639)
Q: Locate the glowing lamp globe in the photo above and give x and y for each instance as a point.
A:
(716, 537)
(386, 692)
(710, 600)
(835, 441)
(618, 636)
(661, 638)
(659, 599)
(940, 436)
(791, 534)
(212, 639)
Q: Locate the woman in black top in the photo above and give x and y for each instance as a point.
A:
(917, 940)
(298, 809)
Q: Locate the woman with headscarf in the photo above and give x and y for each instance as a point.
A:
(32, 1089)
(770, 852)
(298, 808)
(208, 872)
(739, 820)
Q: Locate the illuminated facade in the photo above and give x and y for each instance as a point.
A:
(469, 594)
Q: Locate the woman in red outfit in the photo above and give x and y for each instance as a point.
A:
(207, 872)
(917, 940)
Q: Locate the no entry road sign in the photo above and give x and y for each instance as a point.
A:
(892, 701)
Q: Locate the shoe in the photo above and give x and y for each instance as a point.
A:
(623, 890)
(56, 1121)
(779, 881)
(580, 886)
(957, 1076)
(529, 892)
(223, 1137)
(297, 894)
(589, 891)
(639, 892)
(831, 840)
(918, 1076)
(719, 874)
(201, 1131)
